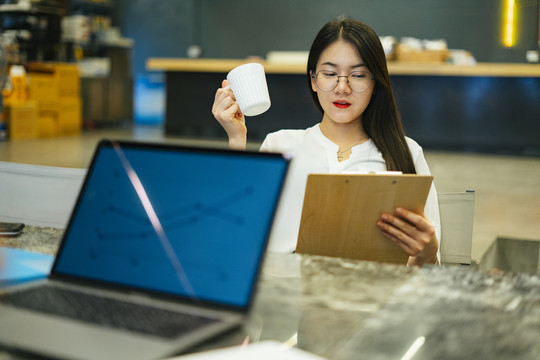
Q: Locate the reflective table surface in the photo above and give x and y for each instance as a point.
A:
(347, 309)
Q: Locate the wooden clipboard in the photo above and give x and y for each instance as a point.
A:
(340, 213)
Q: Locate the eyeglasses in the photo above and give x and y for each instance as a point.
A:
(358, 81)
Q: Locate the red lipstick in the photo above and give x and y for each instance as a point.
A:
(341, 104)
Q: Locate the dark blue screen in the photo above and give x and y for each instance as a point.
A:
(215, 209)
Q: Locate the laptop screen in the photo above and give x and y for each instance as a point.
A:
(181, 221)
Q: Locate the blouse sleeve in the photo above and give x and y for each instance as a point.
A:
(265, 146)
(431, 209)
(283, 141)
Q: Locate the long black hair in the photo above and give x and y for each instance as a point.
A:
(381, 119)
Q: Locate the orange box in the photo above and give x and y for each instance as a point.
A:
(407, 54)
(22, 120)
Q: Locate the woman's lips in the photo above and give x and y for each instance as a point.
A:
(341, 104)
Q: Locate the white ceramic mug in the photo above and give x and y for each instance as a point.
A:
(248, 84)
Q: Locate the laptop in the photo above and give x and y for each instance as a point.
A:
(162, 251)
(340, 213)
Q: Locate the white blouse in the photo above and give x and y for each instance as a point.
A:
(312, 152)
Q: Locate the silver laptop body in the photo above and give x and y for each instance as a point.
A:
(157, 230)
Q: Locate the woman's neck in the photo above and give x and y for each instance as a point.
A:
(343, 135)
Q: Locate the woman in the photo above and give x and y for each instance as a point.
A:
(360, 131)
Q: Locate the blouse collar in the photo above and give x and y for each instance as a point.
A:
(331, 146)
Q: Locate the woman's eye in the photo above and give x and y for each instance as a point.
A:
(328, 74)
(358, 75)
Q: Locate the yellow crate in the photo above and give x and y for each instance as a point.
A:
(51, 81)
(48, 119)
(47, 124)
(43, 87)
(22, 120)
(70, 116)
(69, 82)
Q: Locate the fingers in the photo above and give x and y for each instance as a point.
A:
(221, 95)
(406, 243)
(227, 90)
(418, 221)
(410, 231)
(227, 112)
(225, 107)
(222, 101)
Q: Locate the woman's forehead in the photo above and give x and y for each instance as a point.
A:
(341, 55)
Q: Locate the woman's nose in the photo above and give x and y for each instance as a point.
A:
(343, 85)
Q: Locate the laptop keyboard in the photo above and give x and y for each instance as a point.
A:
(105, 311)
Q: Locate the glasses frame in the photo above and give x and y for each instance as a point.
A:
(314, 77)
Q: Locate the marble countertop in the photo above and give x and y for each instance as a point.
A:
(34, 238)
(346, 309)
(343, 309)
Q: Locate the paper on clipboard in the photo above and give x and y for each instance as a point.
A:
(340, 213)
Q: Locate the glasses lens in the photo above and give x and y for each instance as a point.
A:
(326, 80)
(359, 81)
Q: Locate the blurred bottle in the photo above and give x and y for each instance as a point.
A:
(17, 73)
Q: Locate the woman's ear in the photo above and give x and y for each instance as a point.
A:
(313, 85)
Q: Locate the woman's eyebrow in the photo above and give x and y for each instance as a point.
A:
(359, 65)
(335, 65)
(329, 63)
